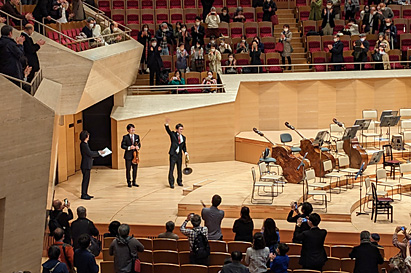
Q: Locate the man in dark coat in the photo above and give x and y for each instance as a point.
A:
(154, 61)
(30, 50)
(328, 14)
(10, 7)
(313, 255)
(337, 52)
(207, 4)
(367, 256)
(361, 47)
(42, 10)
(198, 32)
(11, 53)
(82, 225)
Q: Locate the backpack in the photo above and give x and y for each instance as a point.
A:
(201, 248)
(54, 223)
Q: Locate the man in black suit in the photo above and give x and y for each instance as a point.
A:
(367, 256)
(154, 61)
(130, 143)
(42, 10)
(177, 147)
(86, 163)
(361, 47)
(328, 24)
(313, 255)
(337, 52)
(30, 50)
(198, 32)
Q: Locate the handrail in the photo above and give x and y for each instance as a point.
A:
(219, 87)
(8, 20)
(34, 84)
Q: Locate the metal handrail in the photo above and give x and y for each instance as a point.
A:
(34, 84)
(177, 88)
(8, 18)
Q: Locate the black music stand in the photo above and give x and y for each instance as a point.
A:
(360, 173)
(389, 121)
(363, 124)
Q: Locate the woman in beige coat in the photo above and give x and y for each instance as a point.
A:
(214, 56)
(286, 37)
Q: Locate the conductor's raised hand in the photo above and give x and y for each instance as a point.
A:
(167, 120)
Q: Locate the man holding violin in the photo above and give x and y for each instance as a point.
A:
(130, 144)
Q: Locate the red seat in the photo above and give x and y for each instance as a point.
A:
(314, 46)
(133, 19)
(104, 5)
(394, 57)
(236, 29)
(231, 3)
(273, 59)
(259, 14)
(251, 29)
(147, 18)
(327, 40)
(218, 3)
(190, 15)
(406, 12)
(119, 18)
(304, 15)
(346, 44)
(193, 81)
(266, 29)
(299, 3)
(318, 60)
(191, 4)
(162, 16)
(245, 3)
(161, 4)
(269, 45)
(224, 29)
(132, 4)
(176, 16)
(406, 44)
(349, 59)
(118, 4)
(147, 4)
(175, 4)
(134, 33)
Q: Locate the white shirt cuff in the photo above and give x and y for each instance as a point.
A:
(129, 147)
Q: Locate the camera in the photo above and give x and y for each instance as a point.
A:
(65, 201)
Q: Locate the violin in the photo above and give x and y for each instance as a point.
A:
(287, 161)
(314, 154)
(136, 155)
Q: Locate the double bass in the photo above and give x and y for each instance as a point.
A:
(287, 161)
(315, 155)
(354, 151)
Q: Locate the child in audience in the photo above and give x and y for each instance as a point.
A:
(279, 263)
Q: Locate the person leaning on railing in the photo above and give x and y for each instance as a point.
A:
(115, 32)
(177, 80)
(10, 7)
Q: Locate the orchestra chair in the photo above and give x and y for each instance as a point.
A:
(146, 267)
(261, 184)
(368, 191)
(238, 246)
(165, 244)
(316, 188)
(294, 262)
(405, 125)
(405, 174)
(389, 161)
(295, 249)
(166, 268)
(407, 143)
(217, 246)
(190, 268)
(332, 264)
(276, 179)
(107, 267)
(147, 243)
(184, 257)
(183, 245)
(383, 180)
(218, 258)
(107, 241)
(371, 132)
(287, 138)
(165, 256)
(347, 265)
(269, 161)
(336, 131)
(328, 167)
(381, 205)
(341, 251)
(344, 166)
(405, 114)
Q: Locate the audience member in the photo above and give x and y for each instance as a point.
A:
(164, 37)
(242, 46)
(60, 219)
(184, 37)
(198, 32)
(269, 9)
(169, 231)
(154, 61)
(328, 25)
(315, 12)
(213, 21)
(257, 256)
(53, 265)
(231, 62)
(224, 47)
(351, 7)
(336, 50)
(195, 235)
(235, 266)
(271, 234)
(260, 45)
(313, 255)
(211, 42)
(375, 240)
(66, 250)
(177, 29)
(144, 38)
(239, 15)
(215, 59)
(81, 226)
(212, 217)
(244, 226)
(83, 259)
(88, 28)
(112, 229)
(286, 37)
(366, 19)
(337, 9)
(210, 77)
(352, 27)
(124, 248)
(361, 47)
(306, 210)
(112, 34)
(197, 57)
(207, 5)
(390, 31)
(401, 245)
(177, 80)
(77, 9)
(42, 10)
(59, 11)
(367, 256)
(279, 262)
(224, 15)
(11, 52)
(11, 7)
(30, 50)
(99, 40)
(255, 57)
(386, 11)
(182, 58)
(257, 3)
(378, 20)
(380, 55)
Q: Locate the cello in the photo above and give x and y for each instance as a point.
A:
(287, 161)
(353, 149)
(315, 155)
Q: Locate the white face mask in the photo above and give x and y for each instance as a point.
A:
(91, 25)
(164, 30)
(388, 24)
(335, 39)
(222, 43)
(243, 41)
(210, 76)
(329, 6)
(198, 46)
(285, 29)
(213, 50)
(197, 23)
(145, 29)
(154, 44)
(230, 59)
(362, 39)
(183, 30)
(224, 13)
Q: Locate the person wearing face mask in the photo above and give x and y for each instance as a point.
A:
(99, 41)
(182, 57)
(197, 57)
(391, 29)
(377, 20)
(210, 78)
(224, 47)
(386, 11)
(177, 80)
(328, 25)
(112, 34)
(242, 46)
(212, 42)
(184, 37)
(239, 16)
(224, 16)
(198, 32)
(315, 12)
(361, 48)
(213, 20)
(88, 28)
(177, 29)
(231, 62)
(286, 37)
(260, 45)
(255, 57)
(269, 9)
(144, 38)
(337, 9)
(351, 7)
(367, 19)
(215, 60)
(164, 37)
(379, 55)
(336, 51)
(154, 61)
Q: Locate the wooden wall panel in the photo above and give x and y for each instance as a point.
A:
(78, 127)
(287, 101)
(364, 97)
(327, 99)
(346, 100)
(62, 151)
(307, 105)
(71, 156)
(247, 106)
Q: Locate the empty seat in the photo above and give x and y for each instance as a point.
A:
(341, 251)
(118, 4)
(184, 257)
(161, 4)
(317, 58)
(238, 246)
(132, 4)
(146, 267)
(265, 29)
(107, 267)
(175, 4)
(133, 16)
(216, 245)
(236, 29)
(214, 268)
(176, 15)
(332, 264)
(107, 241)
(217, 258)
(190, 15)
(183, 245)
(146, 256)
(273, 58)
(147, 16)
(294, 262)
(193, 268)
(251, 29)
(147, 4)
(313, 43)
(118, 15)
(162, 15)
(165, 256)
(166, 268)
(164, 244)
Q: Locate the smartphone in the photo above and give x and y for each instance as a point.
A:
(65, 201)
(402, 228)
(295, 205)
(191, 215)
(304, 220)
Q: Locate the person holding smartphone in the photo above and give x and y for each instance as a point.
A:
(294, 214)
(60, 219)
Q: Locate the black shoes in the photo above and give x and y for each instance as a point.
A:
(180, 184)
(86, 197)
(135, 184)
(172, 186)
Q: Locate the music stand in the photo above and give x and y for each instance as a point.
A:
(388, 113)
(363, 124)
(319, 139)
(389, 121)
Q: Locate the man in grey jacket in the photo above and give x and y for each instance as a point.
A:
(123, 248)
(212, 217)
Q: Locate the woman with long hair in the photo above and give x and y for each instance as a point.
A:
(243, 226)
(271, 235)
(257, 256)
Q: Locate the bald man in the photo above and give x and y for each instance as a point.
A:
(60, 219)
(30, 50)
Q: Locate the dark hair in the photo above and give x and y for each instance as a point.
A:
(177, 71)
(180, 44)
(227, 261)
(212, 45)
(58, 233)
(28, 27)
(306, 208)
(258, 241)
(144, 25)
(196, 220)
(183, 25)
(245, 214)
(113, 227)
(84, 241)
(315, 219)
(231, 54)
(224, 8)
(130, 126)
(178, 23)
(198, 18)
(54, 252)
(170, 226)
(286, 25)
(365, 235)
(236, 256)
(83, 135)
(216, 200)
(375, 237)
(111, 27)
(6, 30)
(283, 249)
(270, 232)
(179, 124)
